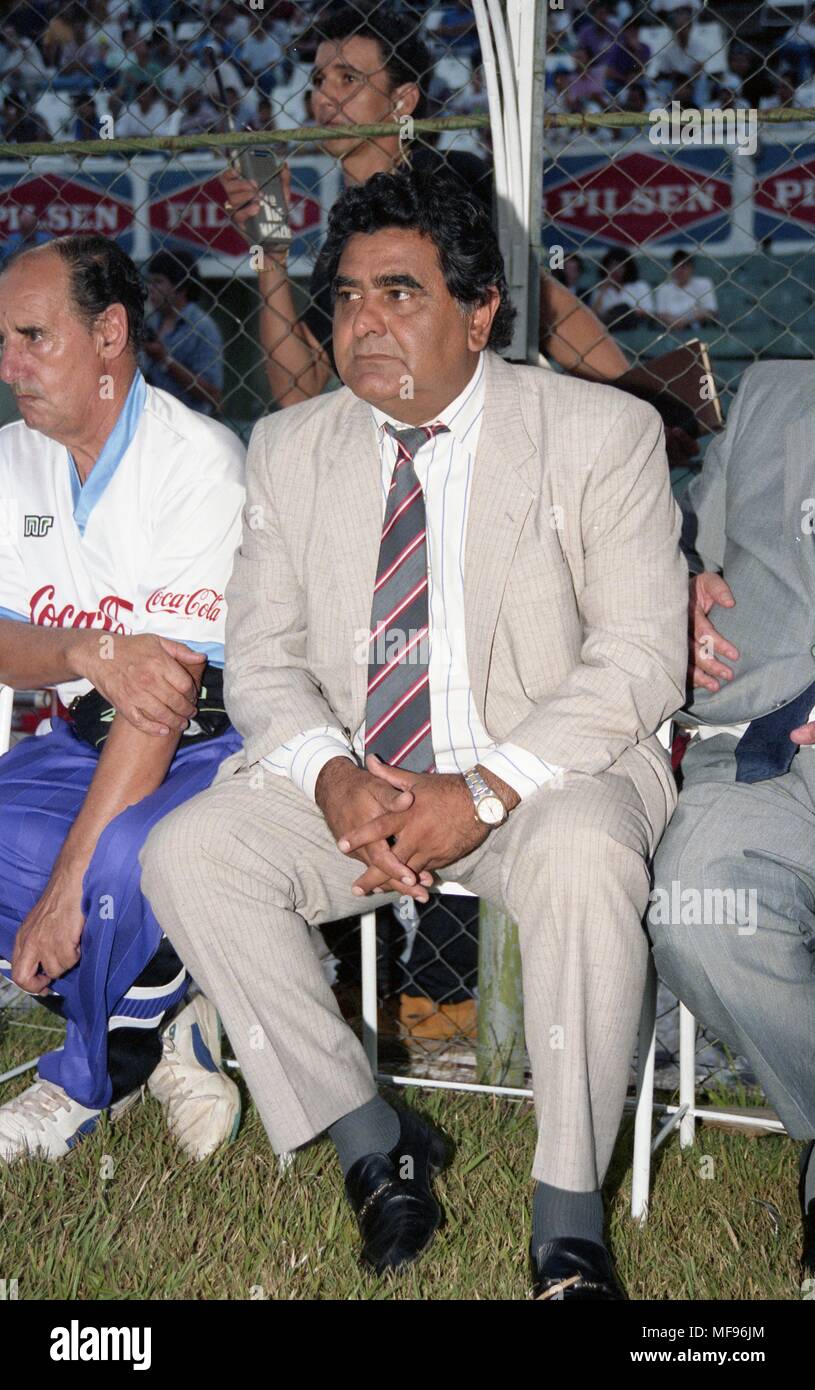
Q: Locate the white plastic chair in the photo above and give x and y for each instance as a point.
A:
(684, 1115)
(6, 702)
(6, 711)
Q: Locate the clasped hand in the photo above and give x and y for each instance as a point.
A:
(401, 825)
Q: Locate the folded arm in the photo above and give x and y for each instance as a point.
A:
(149, 679)
(32, 656)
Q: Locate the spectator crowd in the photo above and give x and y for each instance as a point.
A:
(631, 57)
(144, 62)
(147, 64)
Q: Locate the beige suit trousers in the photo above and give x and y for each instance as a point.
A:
(236, 874)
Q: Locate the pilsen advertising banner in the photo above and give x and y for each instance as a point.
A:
(80, 201)
(596, 196)
(640, 195)
(147, 205)
(784, 197)
(186, 209)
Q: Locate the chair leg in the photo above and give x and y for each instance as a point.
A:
(641, 1172)
(370, 1039)
(646, 1050)
(687, 1076)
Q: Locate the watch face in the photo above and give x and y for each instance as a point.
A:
(491, 810)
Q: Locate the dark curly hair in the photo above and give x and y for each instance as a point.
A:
(405, 56)
(100, 274)
(437, 205)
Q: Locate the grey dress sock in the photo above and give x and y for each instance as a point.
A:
(373, 1128)
(557, 1213)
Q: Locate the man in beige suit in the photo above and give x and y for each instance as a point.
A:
(456, 619)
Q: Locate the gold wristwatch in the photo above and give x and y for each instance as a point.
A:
(489, 808)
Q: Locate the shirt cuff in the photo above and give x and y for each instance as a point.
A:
(303, 758)
(525, 772)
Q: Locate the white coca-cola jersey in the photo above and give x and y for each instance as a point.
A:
(145, 545)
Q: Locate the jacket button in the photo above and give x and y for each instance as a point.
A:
(812, 650)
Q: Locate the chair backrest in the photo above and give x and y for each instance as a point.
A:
(665, 734)
(6, 702)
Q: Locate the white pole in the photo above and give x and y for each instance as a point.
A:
(517, 260)
(501, 173)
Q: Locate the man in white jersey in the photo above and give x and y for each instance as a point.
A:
(119, 516)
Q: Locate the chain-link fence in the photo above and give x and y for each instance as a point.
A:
(678, 196)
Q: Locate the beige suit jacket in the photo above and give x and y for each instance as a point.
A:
(575, 588)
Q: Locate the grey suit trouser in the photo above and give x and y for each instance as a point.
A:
(236, 873)
(733, 917)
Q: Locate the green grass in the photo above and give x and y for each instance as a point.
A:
(236, 1227)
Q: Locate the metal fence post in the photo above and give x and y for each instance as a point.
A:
(500, 1055)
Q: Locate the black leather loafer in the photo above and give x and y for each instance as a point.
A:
(573, 1269)
(807, 1216)
(392, 1196)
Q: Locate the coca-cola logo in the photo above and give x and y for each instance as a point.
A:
(112, 609)
(203, 603)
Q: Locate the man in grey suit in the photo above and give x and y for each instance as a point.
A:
(733, 912)
(457, 618)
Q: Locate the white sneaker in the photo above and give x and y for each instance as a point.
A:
(45, 1121)
(202, 1105)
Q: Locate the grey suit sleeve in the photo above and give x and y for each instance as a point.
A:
(704, 505)
(633, 604)
(270, 694)
(703, 510)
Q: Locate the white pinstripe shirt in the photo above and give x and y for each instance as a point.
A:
(444, 467)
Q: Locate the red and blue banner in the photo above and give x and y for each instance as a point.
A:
(148, 204)
(784, 196)
(187, 209)
(65, 202)
(638, 194)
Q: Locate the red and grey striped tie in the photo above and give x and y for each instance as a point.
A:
(397, 712)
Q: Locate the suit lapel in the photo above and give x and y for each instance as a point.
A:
(506, 478)
(353, 509)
